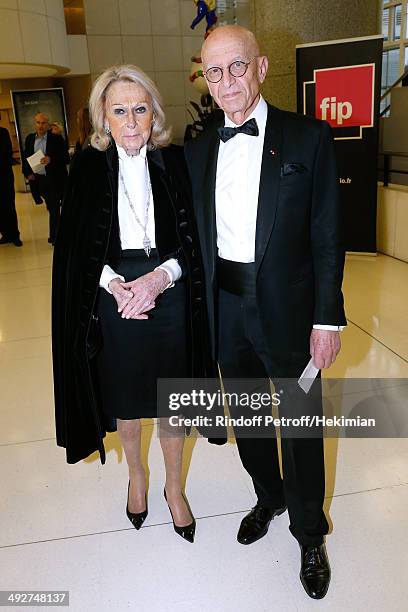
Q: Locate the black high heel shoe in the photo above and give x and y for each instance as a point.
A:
(187, 532)
(136, 518)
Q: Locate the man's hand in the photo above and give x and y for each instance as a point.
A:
(324, 346)
(145, 290)
(31, 177)
(45, 160)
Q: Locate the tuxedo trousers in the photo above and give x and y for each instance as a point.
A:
(243, 355)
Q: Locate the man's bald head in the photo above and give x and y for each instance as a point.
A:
(234, 49)
(41, 122)
(231, 34)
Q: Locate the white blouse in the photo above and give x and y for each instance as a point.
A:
(135, 173)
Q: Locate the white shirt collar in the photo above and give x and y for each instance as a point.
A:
(260, 113)
(125, 157)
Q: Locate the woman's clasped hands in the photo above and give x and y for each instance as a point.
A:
(135, 298)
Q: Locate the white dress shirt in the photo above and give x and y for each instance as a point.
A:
(40, 144)
(237, 190)
(135, 173)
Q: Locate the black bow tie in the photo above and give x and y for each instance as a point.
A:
(249, 127)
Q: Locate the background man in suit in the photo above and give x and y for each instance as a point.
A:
(8, 216)
(50, 181)
(265, 197)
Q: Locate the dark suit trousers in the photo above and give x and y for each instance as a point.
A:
(52, 196)
(243, 354)
(8, 215)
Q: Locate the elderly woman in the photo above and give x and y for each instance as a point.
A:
(125, 263)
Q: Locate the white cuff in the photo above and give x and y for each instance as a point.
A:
(338, 328)
(173, 271)
(107, 275)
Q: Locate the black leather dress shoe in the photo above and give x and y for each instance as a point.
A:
(17, 242)
(315, 570)
(255, 524)
(4, 240)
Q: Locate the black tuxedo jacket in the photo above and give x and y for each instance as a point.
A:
(57, 151)
(299, 252)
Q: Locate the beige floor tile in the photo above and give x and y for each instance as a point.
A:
(377, 296)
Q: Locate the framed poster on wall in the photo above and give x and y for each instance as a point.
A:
(27, 103)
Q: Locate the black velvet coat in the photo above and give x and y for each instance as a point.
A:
(88, 238)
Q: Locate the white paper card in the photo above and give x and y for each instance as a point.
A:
(35, 161)
(308, 376)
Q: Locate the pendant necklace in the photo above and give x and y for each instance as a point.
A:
(147, 245)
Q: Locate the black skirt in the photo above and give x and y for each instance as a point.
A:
(136, 353)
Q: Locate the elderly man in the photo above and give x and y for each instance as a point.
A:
(49, 181)
(265, 197)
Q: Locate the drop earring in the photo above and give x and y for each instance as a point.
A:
(107, 129)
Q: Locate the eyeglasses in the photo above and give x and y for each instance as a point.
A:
(236, 69)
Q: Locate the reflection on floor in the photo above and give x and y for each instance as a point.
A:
(63, 527)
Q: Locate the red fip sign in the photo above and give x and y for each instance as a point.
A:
(344, 97)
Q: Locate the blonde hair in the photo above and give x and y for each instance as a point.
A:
(160, 135)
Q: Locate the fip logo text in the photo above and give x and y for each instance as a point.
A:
(339, 111)
(344, 96)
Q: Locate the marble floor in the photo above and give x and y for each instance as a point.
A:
(63, 527)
